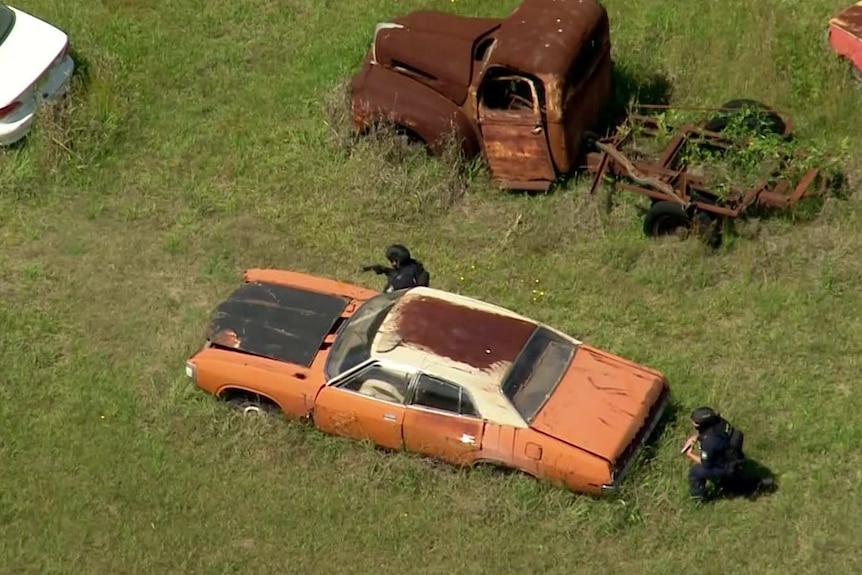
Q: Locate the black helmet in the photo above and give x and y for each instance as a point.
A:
(703, 417)
(398, 254)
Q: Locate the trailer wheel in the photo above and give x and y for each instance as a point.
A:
(667, 218)
(670, 218)
(767, 123)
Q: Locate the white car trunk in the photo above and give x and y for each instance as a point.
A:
(26, 53)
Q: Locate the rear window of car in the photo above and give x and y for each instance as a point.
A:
(537, 371)
(7, 20)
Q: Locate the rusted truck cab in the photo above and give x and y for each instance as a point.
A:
(521, 90)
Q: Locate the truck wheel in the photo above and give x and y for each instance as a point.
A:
(766, 123)
(409, 137)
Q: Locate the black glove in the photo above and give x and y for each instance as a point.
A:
(376, 268)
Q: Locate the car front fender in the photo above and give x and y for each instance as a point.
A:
(381, 95)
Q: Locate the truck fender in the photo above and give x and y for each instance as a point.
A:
(381, 95)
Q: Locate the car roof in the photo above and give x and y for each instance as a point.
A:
(458, 339)
(546, 36)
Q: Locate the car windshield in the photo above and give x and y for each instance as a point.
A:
(7, 20)
(536, 372)
(353, 342)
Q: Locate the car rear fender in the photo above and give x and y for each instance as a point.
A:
(383, 96)
(560, 462)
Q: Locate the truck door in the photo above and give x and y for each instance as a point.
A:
(514, 132)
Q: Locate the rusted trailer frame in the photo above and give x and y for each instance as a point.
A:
(668, 178)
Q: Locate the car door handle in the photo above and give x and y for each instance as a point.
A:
(537, 130)
(388, 417)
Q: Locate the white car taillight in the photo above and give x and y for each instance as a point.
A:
(63, 52)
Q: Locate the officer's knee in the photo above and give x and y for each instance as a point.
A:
(697, 472)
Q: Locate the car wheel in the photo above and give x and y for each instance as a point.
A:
(410, 140)
(250, 405)
(250, 409)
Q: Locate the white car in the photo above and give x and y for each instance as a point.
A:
(34, 67)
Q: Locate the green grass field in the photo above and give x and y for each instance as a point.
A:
(195, 146)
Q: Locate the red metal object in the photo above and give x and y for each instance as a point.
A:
(667, 178)
(845, 35)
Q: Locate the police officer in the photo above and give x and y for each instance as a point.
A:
(721, 458)
(405, 272)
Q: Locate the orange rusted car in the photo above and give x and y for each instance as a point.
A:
(431, 372)
(522, 90)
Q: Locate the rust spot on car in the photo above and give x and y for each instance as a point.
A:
(478, 338)
(225, 338)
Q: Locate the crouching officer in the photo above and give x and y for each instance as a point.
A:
(405, 272)
(721, 458)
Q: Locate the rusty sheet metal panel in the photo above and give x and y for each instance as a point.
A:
(434, 48)
(442, 63)
(276, 322)
(451, 438)
(380, 94)
(517, 151)
(498, 443)
(545, 36)
(478, 338)
(584, 102)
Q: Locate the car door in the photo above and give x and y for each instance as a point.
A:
(442, 422)
(514, 132)
(369, 404)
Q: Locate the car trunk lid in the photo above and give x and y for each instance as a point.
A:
(601, 403)
(28, 51)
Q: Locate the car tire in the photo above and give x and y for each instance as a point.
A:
(250, 406)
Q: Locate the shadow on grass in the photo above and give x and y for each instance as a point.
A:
(83, 68)
(755, 481)
(669, 418)
(630, 87)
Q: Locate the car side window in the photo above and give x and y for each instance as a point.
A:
(379, 383)
(508, 93)
(444, 396)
